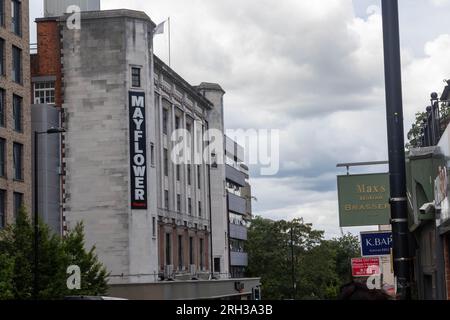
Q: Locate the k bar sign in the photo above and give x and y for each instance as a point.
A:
(138, 151)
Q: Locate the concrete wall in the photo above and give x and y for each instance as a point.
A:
(44, 117)
(97, 75)
(219, 213)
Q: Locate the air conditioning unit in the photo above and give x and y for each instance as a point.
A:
(168, 271)
(193, 270)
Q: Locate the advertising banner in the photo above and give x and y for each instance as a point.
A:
(365, 267)
(377, 243)
(364, 200)
(138, 151)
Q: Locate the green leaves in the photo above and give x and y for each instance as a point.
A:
(55, 255)
(320, 266)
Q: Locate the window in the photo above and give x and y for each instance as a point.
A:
(44, 92)
(202, 249)
(188, 127)
(165, 120)
(199, 208)
(2, 13)
(17, 113)
(18, 161)
(180, 252)
(154, 226)
(168, 250)
(2, 209)
(189, 174)
(2, 157)
(2, 56)
(177, 122)
(16, 17)
(217, 265)
(189, 206)
(178, 202)
(18, 202)
(16, 65)
(166, 162)
(2, 108)
(152, 154)
(178, 172)
(191, 250)
(166, 199)
(199, 177)
(136, 77)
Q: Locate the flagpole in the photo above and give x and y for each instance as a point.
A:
(169, 43)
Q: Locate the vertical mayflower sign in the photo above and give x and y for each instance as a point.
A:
(138, 153)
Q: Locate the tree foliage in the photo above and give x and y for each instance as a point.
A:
(55, 255)
(294, 261)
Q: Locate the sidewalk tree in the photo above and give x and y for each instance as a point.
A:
(55, 255)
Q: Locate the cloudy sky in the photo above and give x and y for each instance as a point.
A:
(312, 69)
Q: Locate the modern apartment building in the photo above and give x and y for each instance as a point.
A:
(160, 227)
(15, 116)
(239, 200)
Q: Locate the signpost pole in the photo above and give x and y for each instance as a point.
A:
(396, 145)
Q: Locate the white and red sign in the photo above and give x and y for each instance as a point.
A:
(365, 267)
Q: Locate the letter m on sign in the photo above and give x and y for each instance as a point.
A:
(137, 101)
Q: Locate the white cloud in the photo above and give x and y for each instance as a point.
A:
(311, 69)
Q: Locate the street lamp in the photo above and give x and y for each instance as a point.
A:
(36, 216)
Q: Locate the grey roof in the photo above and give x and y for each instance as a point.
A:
(209, 86)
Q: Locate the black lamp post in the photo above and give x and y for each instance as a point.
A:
(36, 203)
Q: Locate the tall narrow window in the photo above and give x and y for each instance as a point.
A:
(200, 209)
(18, 202)
(166, 199)
(2, 56)
(152, 154)
(2, 209)
(178, 171)
(2, 157)
(136, 77)
(177, 122)
(199, 177)
(166, 162)
(189, 206)
(191, 250)
(18, 161)
(17, 113)
(16, 16)
(2, 108)
(180, 252)
(178, 202)
(154, 226)
(168, 249)
(202, 249)
(189, 174)
(16, 65)
(165, 120)
(2, 13)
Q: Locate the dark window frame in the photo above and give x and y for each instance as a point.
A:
(3, 156)
(2, 108)
(180, 252)
(136, 78)
(18, 161)
(17, 113)
(166, 199)
(16, 17)
(3, 194)
(168, 243)
(16, 69)
(2, 57)
(17, 204)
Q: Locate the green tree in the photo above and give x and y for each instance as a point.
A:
(93, 273)
(415, 133)
(320, 266)
(55, 255)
